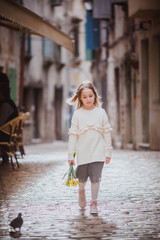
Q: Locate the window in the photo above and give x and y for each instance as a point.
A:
(55, 3)
(89, 55)
(75, 31)
(56, 52)
(51, 54)
(47, 49)
(92, 32)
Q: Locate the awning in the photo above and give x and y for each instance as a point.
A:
(17, 17)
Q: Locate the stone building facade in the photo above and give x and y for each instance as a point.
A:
(116, 46)
(129, 58)
(118, 79)
(43, 69)
(51, 72)
(109, 67)
(146, 74)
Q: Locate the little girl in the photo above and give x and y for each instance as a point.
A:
(89, 137)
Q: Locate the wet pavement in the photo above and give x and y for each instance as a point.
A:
(129, 198)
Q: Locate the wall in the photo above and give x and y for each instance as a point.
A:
(118, 84)
(154, 77)
(146, 103)
(10, 59)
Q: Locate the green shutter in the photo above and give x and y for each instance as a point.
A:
(89, 55)
(12, 84)
(28, 45)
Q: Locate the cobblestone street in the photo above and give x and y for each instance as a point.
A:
(129, 197)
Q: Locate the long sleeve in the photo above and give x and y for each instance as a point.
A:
(73, 134)
(107, 136)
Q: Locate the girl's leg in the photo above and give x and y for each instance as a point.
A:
(95, 172)
(94, 196)
(94, 190)
(82, 196)
(82, 185)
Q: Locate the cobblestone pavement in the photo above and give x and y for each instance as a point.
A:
(129, 198)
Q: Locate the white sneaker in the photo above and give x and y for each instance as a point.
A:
(82, 198)
(93, 207)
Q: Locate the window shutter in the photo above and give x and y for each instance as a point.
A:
(28, 44)
(92, 32)
(89, 55)
(47, 49)
(56, 52)
(102, 9)
(55, 3)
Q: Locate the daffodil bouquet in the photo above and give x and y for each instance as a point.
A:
(71, 179)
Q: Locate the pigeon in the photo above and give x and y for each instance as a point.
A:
(17, 222)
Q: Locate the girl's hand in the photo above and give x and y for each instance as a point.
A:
(71, 161)
(108, 159)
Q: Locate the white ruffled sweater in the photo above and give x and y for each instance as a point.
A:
(89, 136)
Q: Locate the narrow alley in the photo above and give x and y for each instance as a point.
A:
(129, 199)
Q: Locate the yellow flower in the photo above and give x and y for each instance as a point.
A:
(74, 182)
(71, 180)
(68, 183)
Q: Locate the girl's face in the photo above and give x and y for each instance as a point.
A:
(87, 98)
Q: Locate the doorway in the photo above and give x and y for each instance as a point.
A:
(58, 111)
(117, 87)
(37, 103)
(145, 90)
(33, 103)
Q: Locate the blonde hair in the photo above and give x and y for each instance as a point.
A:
(76, 98)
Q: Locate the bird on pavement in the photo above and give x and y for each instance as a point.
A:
(17, 222)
